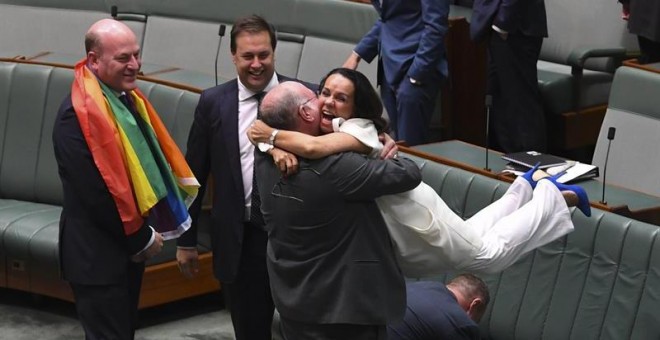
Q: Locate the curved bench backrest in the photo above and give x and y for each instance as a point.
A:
(634, 110)
(30, 96)
(582, 24)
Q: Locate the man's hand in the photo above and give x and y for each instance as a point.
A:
(390, 149)
(259, 132)
(188, 262)
(625, 11)
(150, 252)
(352, 61)
(285, 161)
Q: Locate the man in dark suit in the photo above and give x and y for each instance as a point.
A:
(218, 145)
(409, 37)
(515, 32)
(435, 311)
(330, 259)
(102, 251)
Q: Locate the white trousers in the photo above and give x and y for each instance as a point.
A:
(431, 239)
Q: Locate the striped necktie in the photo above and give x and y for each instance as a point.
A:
(256, 218)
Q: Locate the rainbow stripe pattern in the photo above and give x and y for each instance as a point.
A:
(142, 166)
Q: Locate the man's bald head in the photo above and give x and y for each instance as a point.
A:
(291, 106)
(103, 28)
(113, 54)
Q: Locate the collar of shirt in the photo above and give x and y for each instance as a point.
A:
(244, 93)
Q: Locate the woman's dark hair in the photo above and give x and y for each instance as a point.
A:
(367, 101)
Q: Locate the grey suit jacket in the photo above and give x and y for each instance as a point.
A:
(329, 255)
(213, 149)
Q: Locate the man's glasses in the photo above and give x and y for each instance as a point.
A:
(307, 101)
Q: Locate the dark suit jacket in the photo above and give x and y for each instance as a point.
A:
(330, 257)
(213, 149)
(432, 313)
(525, 17)
(93, 247)
(644, 18)
(410, 39)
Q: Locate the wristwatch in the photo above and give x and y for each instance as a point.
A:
(264, 147)
(273, 134)
(415, 81)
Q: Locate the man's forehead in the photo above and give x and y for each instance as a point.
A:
(245, 39)
(305, 90)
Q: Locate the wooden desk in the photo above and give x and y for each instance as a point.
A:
(622, 201)
(653, 67)
(461, 155)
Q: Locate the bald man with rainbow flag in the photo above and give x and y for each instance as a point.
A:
(126, 185)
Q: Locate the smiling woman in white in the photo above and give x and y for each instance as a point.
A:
(429, 236)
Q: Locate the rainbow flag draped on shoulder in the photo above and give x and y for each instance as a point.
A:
(143, 168)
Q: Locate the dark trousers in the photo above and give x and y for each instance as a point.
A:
(410, 107)
(248, 297)
(293, 330)
(517, 121)
(109, 312)
(649, 49)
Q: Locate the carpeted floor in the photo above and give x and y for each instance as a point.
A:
(28, 317)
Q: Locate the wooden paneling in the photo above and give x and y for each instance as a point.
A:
(463, 95)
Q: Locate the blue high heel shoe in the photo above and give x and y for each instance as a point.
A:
(583, 199)
(529, 175)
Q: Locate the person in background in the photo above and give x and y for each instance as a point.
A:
(515, 31)
(643, 18)
(332, 267)
(435, 311)
(409, 39)
(218, 146)
(121, 172)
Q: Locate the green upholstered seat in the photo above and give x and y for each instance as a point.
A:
(634, 110)
(599, 282)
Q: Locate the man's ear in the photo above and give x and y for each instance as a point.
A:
(93, 60)
(304, 114)
(476, 309)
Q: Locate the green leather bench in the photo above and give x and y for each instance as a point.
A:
(622, 195)
(634, 110)
(31, 193)
(602, 281)
(179, 40)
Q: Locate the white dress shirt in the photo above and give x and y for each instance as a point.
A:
(247, 114)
